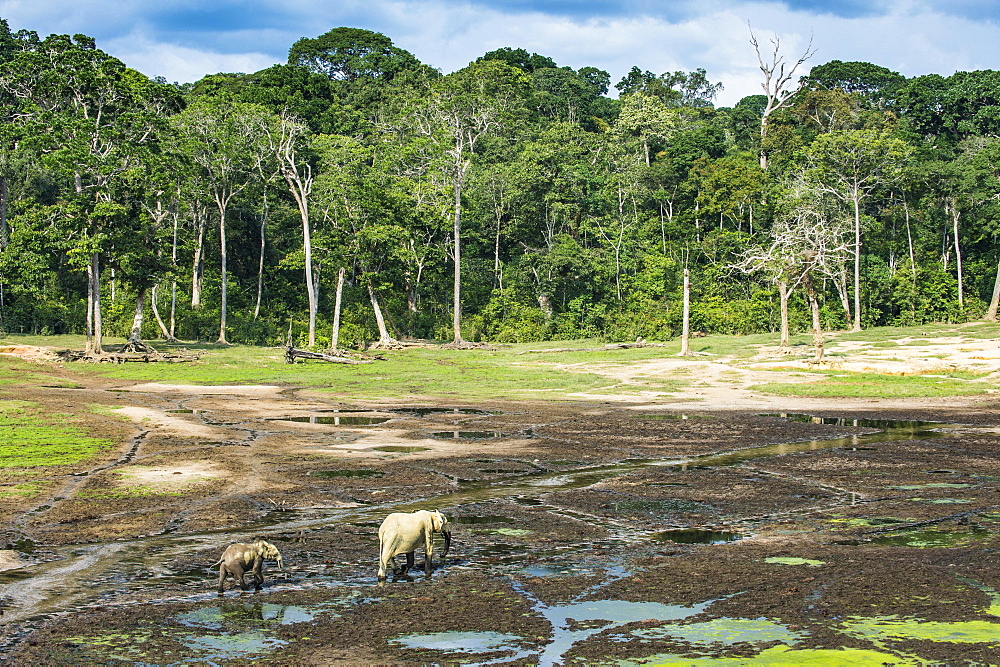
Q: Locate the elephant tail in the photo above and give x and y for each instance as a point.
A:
(217, 563)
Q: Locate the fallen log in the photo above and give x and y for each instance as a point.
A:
(292, 353)
(124, 357)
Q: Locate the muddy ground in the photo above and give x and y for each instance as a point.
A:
(874, 540)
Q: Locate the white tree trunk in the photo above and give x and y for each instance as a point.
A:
(335, 332)
(955, 215)
(198, 268)
(686, 317)
(135, 335)
(223, 289)
(991, 314)
(383, 333)
(857, 264)
(457, 288)
(168, 334)
(817, 325)
(783, 293)
(97, 346)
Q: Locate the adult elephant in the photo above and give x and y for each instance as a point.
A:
(402, 533)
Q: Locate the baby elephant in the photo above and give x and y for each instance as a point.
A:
(402, 533)
(241, 558)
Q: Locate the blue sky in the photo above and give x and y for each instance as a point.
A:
(184, 40)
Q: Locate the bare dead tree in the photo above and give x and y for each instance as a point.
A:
(807, 242)
(778, 85)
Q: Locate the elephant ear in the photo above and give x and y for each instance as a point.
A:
(438, 521)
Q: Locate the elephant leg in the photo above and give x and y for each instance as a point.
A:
(428, 552)
(409, 563)
(222, 578)
(238, 573)
(258, 574)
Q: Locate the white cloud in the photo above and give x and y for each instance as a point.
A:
(178, 63)
(910, 36)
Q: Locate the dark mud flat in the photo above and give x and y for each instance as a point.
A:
(583, 534)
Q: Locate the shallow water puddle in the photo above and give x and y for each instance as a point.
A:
(336, 420)
(401, 449)
(571, 624)
(333, 474)
(468, 435)
(696, 536)
(230, 631)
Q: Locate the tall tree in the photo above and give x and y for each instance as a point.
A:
(95, 121)
(227, 143)
(852, 167)
(288, 137)
(482, 99)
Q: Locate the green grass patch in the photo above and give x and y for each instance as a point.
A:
(30, 437)
(125, 492)
(416, 372)
(873, 385)
(23, 490)
(15, 371)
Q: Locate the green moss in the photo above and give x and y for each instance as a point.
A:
(31, 437)
(900, 628)
(791, 560)
(787, 657)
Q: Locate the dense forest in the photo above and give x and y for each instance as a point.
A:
(357, 195)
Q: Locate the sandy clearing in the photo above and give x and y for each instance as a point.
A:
(173, 424)
(11, 560)
(368, 445)
(29, 352)
(173, 477)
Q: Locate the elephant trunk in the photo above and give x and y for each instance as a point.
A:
(447, 542)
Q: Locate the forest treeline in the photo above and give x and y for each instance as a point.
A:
(356, 194)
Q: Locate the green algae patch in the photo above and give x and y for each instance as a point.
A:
(932, 485)
(792, 560)
(908, 628)
(31, 437)
(868, 522)
(512, 532)
(784, 656)
(726, 631)
(928, 539)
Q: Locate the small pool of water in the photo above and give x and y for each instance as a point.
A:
(336, 420)
(330, 474)
(476, 520)
(468, 435)
(423, 412)
(696, 536)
